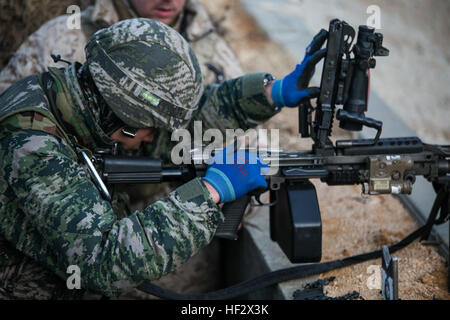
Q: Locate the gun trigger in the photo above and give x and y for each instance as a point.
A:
(258, 199)
(255, 201)
(260, 203)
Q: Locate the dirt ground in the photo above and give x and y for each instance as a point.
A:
(351, 224)
(18, 19)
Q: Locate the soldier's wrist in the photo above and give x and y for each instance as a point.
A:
(268, 84)
(212, 191)
(268, 89)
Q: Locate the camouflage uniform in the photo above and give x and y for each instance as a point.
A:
(51, 214)
(33, 56)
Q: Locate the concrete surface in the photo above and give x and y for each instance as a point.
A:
(255, 254)
(255, 249)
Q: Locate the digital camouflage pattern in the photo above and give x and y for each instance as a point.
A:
(58, 218)
(161, 91)
(52, 214)
(33, 56)
(23, 278)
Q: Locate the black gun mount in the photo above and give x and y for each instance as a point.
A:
(345, 81)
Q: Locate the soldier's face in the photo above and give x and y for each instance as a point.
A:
(129, 144)
(165, 11)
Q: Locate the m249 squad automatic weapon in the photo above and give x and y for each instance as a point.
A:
(380, 165)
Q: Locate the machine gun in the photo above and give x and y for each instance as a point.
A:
(380, 165)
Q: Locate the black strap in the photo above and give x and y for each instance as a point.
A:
(302, 270)
(440, 204)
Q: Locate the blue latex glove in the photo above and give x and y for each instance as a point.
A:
(233, 174)
(293, 88)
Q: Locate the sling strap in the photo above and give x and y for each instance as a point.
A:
(305, 270)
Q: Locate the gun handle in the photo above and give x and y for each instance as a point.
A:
(233, 212)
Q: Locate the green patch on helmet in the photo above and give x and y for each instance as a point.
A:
(150, 98)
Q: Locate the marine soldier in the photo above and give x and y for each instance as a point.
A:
(141, 76)
(188, 17)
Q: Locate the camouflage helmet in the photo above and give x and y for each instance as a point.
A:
(146, 72)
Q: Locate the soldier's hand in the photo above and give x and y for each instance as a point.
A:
(234, 174)
(293, 88)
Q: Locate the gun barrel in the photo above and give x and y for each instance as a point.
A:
(390, 166)
(136, 170)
